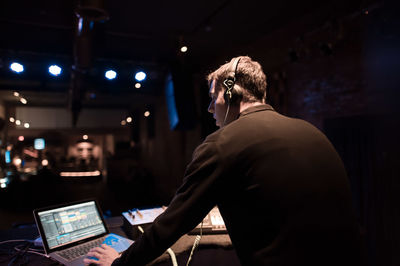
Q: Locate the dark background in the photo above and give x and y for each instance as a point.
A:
(332, 63)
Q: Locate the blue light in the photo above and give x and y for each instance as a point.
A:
(17, 67)
(140, 76)
(55, 70)
(111, 74)
(39, 144)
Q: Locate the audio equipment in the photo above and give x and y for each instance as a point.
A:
(229, 83)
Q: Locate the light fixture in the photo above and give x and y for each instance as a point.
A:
(55, 70)
(85, 137)
(23, 100)
(21, 138)
(129, 119)
(45, 162)
(184, 49)
(146, 114)
(16, 94)
(18, 122)
(123, 123)
(140, 76)
(12, 119)
(138, 85)
(26, 125)
(17, 67)
(110, 74)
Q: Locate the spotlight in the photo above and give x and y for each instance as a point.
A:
(184, 49)
(85, 137)
(129, 119)
(12, 119)
(55, 70)
(16, 94)
(26, 125)
(17, 67)
(23, 101)
(140, 76)
(45, 162)
(123, 123)
(146, 114)
(21, 138)
(18, 122)
(111, 74)
(138, 85)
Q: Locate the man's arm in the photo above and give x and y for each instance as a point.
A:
(191, 203)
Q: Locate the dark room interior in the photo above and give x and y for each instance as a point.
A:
(108, 99)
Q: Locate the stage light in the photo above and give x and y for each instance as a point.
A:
(21, 138)
(146, 114)
(85, 137)
(45, 162)
(18, 122)
(129, 119)
(140, 76)
(26, 125)
(184, 49)
(111, 74)
(123, 123)
(12, 119)
(138, 85)
(23, 101)
(17, 67)
(16, 94)
(55, 70)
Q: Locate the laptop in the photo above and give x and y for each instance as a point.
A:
(69, 231)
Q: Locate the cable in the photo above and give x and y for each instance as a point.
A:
(169, 250)
(195, 244)
(16, 240)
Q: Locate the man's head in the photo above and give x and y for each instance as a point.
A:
(249, 88)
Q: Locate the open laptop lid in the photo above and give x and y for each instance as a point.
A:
(69, 224)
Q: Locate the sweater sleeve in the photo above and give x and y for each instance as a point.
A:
(193, 200)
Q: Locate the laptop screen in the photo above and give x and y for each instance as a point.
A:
(65, 225)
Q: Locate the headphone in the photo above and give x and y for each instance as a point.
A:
(229, 83)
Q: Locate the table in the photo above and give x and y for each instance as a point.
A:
(212, 250)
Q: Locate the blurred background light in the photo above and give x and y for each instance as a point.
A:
(23, 101)
(147, 114)
(184, 49)
(17, 67)
(138, 85)
(111, 74)
(140, 76)
(55, 70)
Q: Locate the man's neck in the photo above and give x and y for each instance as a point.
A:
(244, 105)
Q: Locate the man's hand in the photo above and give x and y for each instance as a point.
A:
(105, 255)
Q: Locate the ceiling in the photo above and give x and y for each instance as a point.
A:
(137, 35)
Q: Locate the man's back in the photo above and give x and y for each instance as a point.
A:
(286, 199)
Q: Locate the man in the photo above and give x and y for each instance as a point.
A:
(278, 182)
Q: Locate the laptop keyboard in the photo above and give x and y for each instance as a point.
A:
(83, 249)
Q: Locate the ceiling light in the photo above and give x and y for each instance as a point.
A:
(12, 119)
(111, 74)
(129, 119)
(140, 76)
(23, 101)
(85, 137)
(147, 114)
(18, 122)
(138, 85)
(26, 125)
(17, 67)
(16, 94)
(55, 70)
(21, 138)
(184, 49)
(123, 123)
